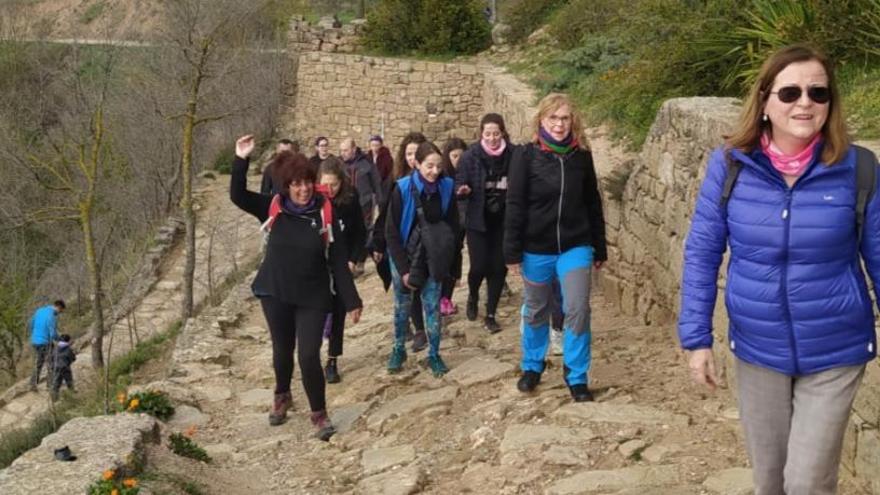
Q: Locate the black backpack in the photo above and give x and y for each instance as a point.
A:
(866, 170)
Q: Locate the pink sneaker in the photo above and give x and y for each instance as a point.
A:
(446, 307)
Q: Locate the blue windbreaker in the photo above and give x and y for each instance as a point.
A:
(796, 295)
(43, 326)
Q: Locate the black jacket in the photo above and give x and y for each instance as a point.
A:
(475, 169)
(64, 357)
(553, 204)
(433, 213)
(295, 270)
(350, 216)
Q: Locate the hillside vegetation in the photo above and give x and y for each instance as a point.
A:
(621, 59)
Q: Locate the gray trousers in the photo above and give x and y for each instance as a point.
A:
(794, 426)
(42, 355)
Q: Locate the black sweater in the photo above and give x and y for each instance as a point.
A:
(433, 213)
(553, 204)
(295, 270)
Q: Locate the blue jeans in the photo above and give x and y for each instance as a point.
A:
(572, 268)
(430, 294)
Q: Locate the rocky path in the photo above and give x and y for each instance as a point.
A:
(225, 236)
(471, 431)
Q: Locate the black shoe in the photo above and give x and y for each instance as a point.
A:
(472, 308)
(420, 341)
(491, 325)
(580, 393)
(331, 372)
(528, 381)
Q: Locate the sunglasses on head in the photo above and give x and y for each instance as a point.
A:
(791, 94)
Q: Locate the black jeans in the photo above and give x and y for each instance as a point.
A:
(487, 262)
(42, 355)
(293, 327)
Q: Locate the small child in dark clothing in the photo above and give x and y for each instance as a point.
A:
(64, 358)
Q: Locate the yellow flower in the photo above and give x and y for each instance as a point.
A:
(120, 397)
(108, 474)
(130, 483)
(133, 404)
(114, 492)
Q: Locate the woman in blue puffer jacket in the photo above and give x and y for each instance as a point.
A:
(801, 321)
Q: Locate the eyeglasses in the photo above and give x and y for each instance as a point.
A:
(791, 94)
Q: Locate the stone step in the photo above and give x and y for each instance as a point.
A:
(605, 481)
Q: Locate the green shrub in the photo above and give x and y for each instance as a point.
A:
(184, 446)
(223, 162)
(525, 16)
(16, 442)
(457, 27)
(427, 27)
(579, 19)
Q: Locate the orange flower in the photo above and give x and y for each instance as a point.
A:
(190, 432)
(120, 397)
(108, 474)
(114, 492)
(133, 404)
(130, 483)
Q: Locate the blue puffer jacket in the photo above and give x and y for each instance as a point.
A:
(796, 295)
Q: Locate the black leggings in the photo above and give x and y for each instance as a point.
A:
(294, 327)
(337, 328)
(449, 283)
(416, 316)
(487, 261)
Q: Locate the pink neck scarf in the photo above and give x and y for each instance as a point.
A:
(497, 151)
(789, 164)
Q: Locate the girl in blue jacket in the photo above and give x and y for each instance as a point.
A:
(801, 321)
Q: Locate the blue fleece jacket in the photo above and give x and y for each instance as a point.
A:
(44, 326)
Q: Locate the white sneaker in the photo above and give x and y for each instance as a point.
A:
(555, 342)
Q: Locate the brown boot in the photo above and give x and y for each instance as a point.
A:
(280, 406)
(324, 427)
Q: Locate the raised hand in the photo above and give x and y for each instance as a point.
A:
(244, 146)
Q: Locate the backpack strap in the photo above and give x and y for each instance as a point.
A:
(866, 171)
(733, 168)
(274, 210)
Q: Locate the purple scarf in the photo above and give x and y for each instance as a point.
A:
(430, 187)
(292, 207)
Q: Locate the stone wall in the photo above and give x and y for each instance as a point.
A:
(339, 96)
(514, 100)
(649, 204)
(323, 37)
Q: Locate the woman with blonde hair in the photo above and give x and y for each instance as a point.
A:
(555, 230)
(785, 193)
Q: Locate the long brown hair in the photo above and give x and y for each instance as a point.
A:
(400, 167)
(334, 166)
(746, 136)
(550, 104)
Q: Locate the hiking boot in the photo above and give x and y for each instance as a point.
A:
(438, 367)
(331, 373)
(580, 393)
(280, 406)
(324, 428)
(556, 342)
(396, 359)
(420, 341)
(472, 308)
(491, 325)
(528, 381)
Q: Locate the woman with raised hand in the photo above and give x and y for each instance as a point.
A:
(784, 194)
(555, 229)
(305, 264)
(421, 232)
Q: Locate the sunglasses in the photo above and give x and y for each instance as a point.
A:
(791, 94)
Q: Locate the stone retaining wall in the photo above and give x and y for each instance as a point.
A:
(355, 96)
